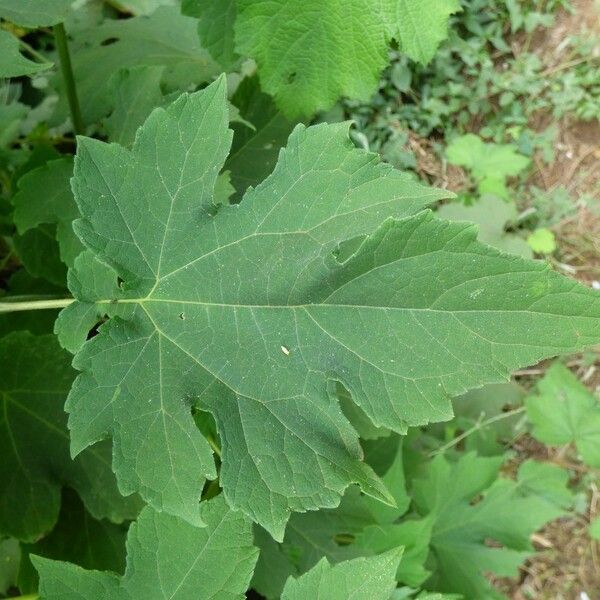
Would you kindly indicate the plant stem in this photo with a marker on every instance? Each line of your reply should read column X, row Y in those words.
column 477, row 427
column 60, row 37
column 25, row 597
column 6, row 307
column 34, row 53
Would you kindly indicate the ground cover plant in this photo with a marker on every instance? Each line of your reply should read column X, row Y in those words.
column 242, row 354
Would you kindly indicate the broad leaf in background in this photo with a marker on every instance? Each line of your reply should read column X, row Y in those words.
column 35, row 13
column 39, row 253
column 370, row 578
column 45, row 196
column 263, row 305
column 492, row 215
column 255, row 149
column 34, row 443
column 12, row 62
column 166, row 558
column 564, row 411
column 10, row 554
column 165, row 38
column 418, row 25
column 311, row 52
column 78, row 538
column 135, row 92
column 475, row 531
column 215, row 28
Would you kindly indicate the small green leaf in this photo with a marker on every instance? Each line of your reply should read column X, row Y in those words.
column 564, row 412
column 485, row 159
column 35, row 13
column 165, row 38
column 542, row 241
column 371, row 578
column 10, row 556
column 166, row 558
column 136, row 91
column 414, row 535
column 418, row 25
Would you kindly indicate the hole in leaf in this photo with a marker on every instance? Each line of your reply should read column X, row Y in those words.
column 292, row 77
column 344, row 539
column 347, row 248
column 109, row 41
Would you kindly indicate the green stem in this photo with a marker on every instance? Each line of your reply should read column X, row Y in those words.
column 477, row 427
column 6, row 307
column 25, row 597
column 62, row 46
column 34, row 53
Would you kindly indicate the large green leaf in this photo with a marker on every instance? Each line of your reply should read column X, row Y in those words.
column 252, row 312
column 369, row 578
column 34, row 443
column 564, row 411
column 311, row 52
column 35, row 13
column 166, row 558
column 12, row 62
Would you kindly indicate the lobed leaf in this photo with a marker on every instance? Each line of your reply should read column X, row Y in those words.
column 564, row 411
column 35, row 13
column 253, row 312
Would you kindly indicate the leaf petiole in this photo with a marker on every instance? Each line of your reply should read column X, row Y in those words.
column 6, row 307
column 66, row 68
column 477, row 427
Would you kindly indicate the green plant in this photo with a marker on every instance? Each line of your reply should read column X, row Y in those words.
column 267, row 321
